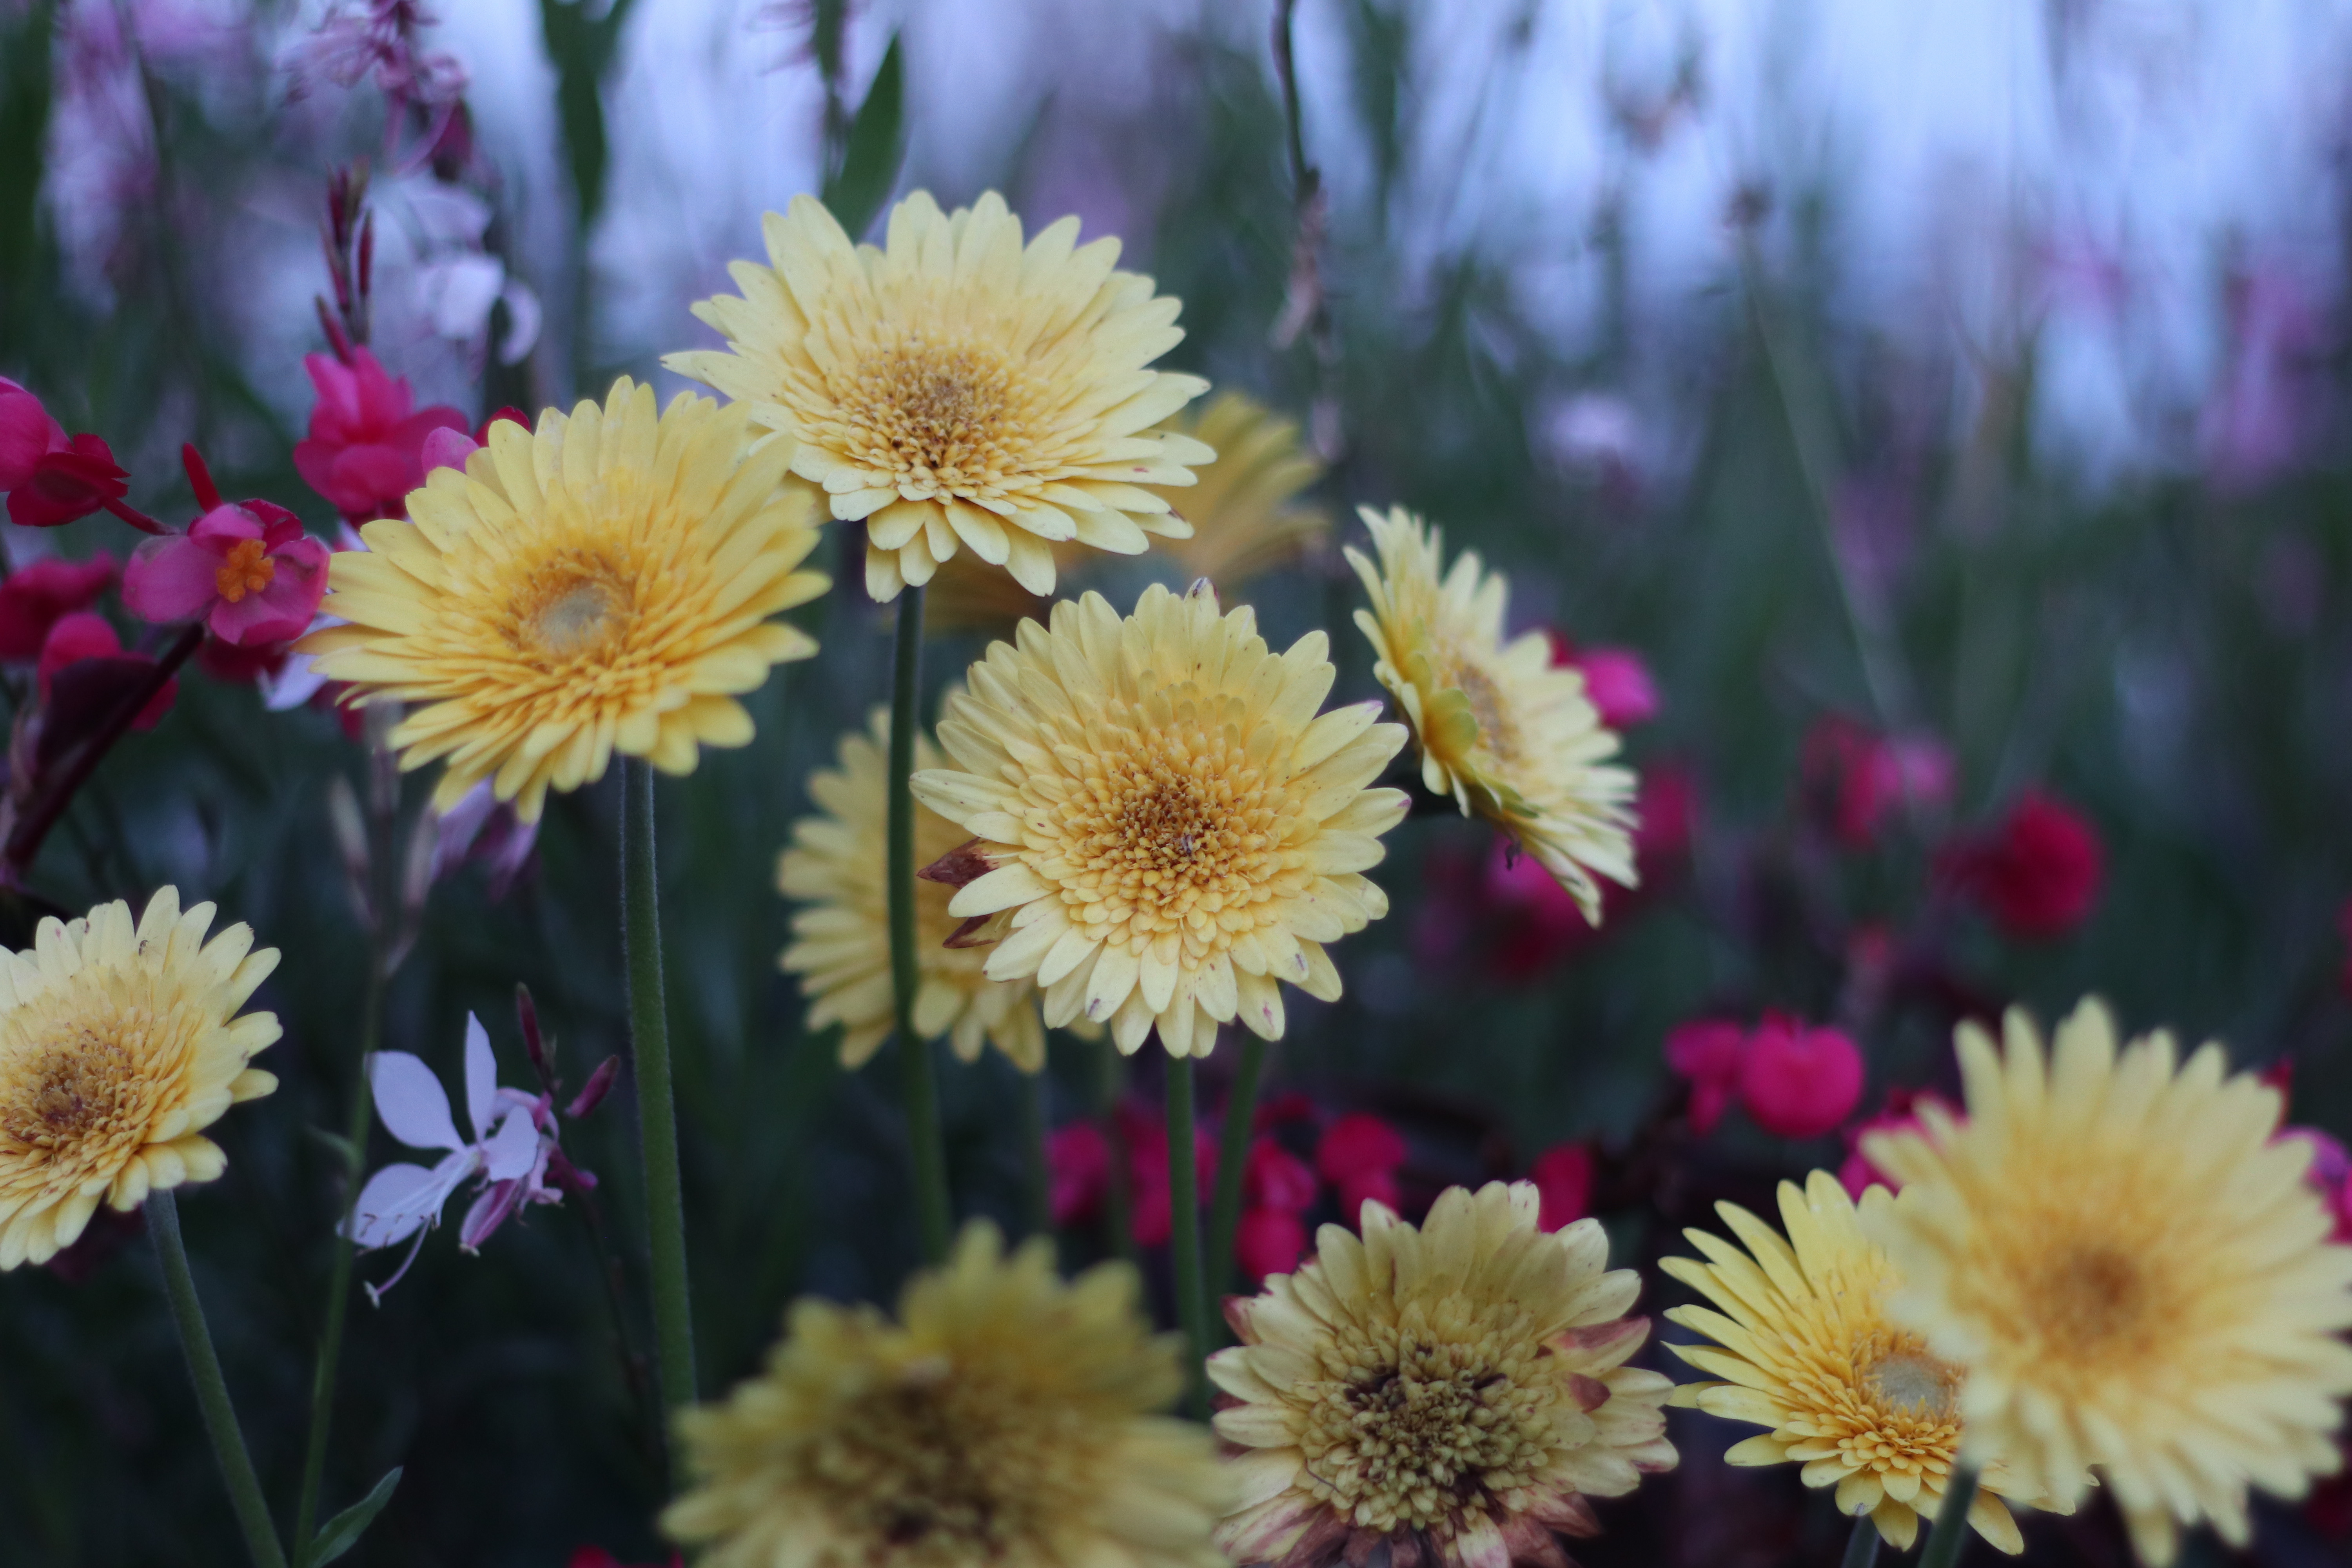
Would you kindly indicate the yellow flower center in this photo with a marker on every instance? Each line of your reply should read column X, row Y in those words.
column 247, row 569
column 1496, row 731
column 77, row 1095
column 574, row 614
column 1419, row 1424
column 1912, row 1381
column 943, row 414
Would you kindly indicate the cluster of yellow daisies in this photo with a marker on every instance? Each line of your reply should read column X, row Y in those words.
column 2109, row 1273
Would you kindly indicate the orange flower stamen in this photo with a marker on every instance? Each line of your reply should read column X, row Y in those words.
column 248, row 570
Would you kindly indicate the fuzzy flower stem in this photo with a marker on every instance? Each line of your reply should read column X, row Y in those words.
column 1037, row 1182
column 927, row 1151
column 1184, row 1235
column 1233, row 1159
column 212, row 1388
column 1862, row 1546
column 1943, row 1548
column 657, row 1105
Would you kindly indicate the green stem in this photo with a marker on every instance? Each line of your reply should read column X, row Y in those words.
column 1037, row 1178
column 927, row 1150
column 1118, row 1198
column 1184, row 1234
column 1952, row 1528
column 212, row 1388
column 1233, row 1160
column 1862, row 1546
column 657, row 1105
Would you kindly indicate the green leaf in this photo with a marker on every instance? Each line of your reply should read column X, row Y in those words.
column 875, row 148
column 582, row 48
column 342, row 1533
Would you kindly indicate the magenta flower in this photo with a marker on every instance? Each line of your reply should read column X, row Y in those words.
column 1708, row 1053
column 246, row 568
column 28, row 434
column 1359, row 1154
column 86, row 635
column 1563, row 1178
column 1797, row 1081
column 366, row 448
column 33, row 600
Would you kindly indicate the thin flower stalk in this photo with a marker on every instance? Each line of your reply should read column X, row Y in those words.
column 657, row 1107
column 1951, row 1526
column 927, row 1150
column 1233, row 1158
column 1862, row 1546
column 1185, row 1237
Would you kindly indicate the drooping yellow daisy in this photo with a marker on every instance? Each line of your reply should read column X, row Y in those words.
column 1007, row 1418
column 1805, row 1339
column 1458, row 1391
column 119, row 1044
column 841, row 941
column 956, row 389
column 1170, row 823
column 2132, row 1273
column 1508, row 736
column 1244, row 515
column 601, row 584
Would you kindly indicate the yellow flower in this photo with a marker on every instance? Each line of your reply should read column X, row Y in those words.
column 118, row 1045
column 957, row 389
column 1810, row 1352
column 1244, row 517
column 1508, row 736
column 841, row 942
column 1458, row 1391
column 601, row 584
column 1171, row 825
column 2132, row 1273
column 1006, row 1419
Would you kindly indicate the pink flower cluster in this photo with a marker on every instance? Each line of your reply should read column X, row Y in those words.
column 1794, row 1080
column 367, row 446
column 1860, row 779
column 1079, row 1159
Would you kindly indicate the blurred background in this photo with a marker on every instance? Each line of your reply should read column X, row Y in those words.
column 1926, row 424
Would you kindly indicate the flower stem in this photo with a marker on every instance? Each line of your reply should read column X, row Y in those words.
column 212, row 1388
column 1036, row 1180
column 1233, row 1158
column 927, row 1150
column 1118, row 1198
column 1184, row 1234
column 657, row 1105
column 1862, row 1546
column 1952, row 1528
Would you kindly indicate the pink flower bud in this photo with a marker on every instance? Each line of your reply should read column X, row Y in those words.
column 1708, row 1053
column 592, row 1093
column 1563, row 1179
column 1799, row 1081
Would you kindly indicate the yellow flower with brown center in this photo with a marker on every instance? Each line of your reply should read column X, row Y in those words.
column 1171, row 825
column 2131, row 1270
column 1505, row 733
column 956, row 389
column 1006, row 1418
column 1457, row 1392
column 1244, row 514
column 841, row 941
column 119, row 1044
column 601, row 584
column 1805, row 1344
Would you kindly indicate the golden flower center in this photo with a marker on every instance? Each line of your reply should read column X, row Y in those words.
column 1419, row 1426
column 569, row 612
column 942, row 416
column 74, row 1096
column 1171, row 830
column 1496, row 731
column 1914, row 1382
column 2094, row 1299
column 247, row 569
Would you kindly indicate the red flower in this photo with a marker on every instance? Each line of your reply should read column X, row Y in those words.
column 1563, row 1179
column 1268, row 1241
column 67, row 483
column 32, row 600
column 1708, row 1053
column 1616, row 680
column 82, row 635
column 2037, row 874
column 247, row 568
column 27, row 435
column 1078, row 1160
column 366, row 451
column 1864, row 777
column 1798, row 1082
column 1900, row 1113
column 1276, row 1179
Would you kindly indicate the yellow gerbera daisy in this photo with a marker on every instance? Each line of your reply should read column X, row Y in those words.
column 1171, row 825
column 2132, row 1272
column 1456, row 1390
column 1804, row 1339
column 1007, row 1418
column 1244, row 512
column 118, row 1045
column 841, row 942
column 601, row 584
column 1508, row 736
column 956, row 388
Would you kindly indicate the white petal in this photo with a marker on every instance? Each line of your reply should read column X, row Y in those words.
column 481, row 1078
column 410, row 1101
column 514, row 1148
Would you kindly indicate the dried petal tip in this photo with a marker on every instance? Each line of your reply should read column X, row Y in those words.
column 964, row 863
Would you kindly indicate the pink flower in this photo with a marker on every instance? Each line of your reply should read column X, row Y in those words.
column 28, row 434
column 246, row 568
column 1615, row 679
column 1563, row 1178
column 1358, row 1154
column 85, row 636
column 1276, row 1179
column 367, row 442
column 1798, row 1082
column 2330, row 1174
column 1900, row 1114
column 2038, row 873
column 1268, row 1241
column 1864, row 777
column 69, row 483
column 1077, row 1160
column 1154, row 1211
column 32, row 601
column 1708, row 1053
